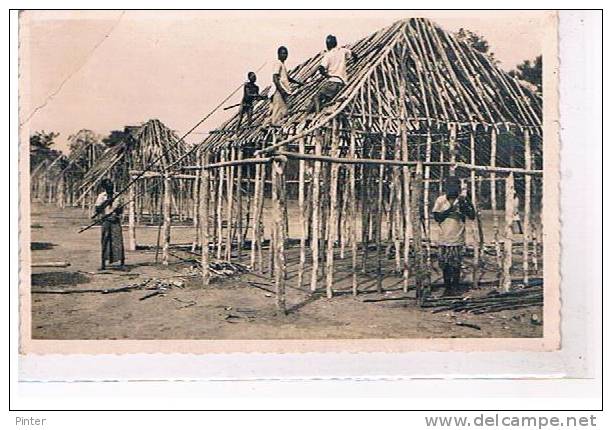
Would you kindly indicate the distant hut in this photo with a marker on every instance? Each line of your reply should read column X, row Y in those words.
column 146, row 152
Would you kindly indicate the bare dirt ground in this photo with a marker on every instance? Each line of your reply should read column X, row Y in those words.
column 228, row 309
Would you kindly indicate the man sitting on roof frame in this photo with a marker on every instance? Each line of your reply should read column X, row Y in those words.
column 333, row 68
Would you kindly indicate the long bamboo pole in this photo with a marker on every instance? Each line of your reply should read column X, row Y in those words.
column 389, row 162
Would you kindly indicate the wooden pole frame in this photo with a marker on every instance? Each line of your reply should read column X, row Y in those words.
column 508, row 235
column 132, row 219
column 167, row 214
column 526, row 208
column 279, row 208
column 204, row 222
column 302, row 214
column 332, row 222
column 314, row 240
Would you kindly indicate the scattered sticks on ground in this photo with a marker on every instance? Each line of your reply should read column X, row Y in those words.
column 157, row 286
column 493, row 302
column 384, row 299
column 470, row 325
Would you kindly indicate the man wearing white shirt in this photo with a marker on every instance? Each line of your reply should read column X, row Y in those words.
column 333, row 68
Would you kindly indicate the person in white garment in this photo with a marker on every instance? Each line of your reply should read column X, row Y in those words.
column 333, row 68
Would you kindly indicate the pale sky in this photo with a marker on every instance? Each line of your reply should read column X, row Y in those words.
column 105, row 70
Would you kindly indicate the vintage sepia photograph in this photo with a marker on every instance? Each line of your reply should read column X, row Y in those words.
column 288, row 181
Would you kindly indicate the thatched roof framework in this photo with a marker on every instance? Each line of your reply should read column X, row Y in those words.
column 441, row 81
column 151, row 146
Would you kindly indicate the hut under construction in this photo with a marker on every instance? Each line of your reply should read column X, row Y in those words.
column 364, row 172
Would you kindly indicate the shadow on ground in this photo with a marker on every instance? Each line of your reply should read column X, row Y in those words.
column 52, row 279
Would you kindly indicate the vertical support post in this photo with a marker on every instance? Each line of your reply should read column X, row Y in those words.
column 396, row 208
column 473, row 163
column 260, row 205
column 474, row 198
column 239, row 225
column 441, row 170
column 343, row 211
column 204, row 220
column 452, row 140
column 527, row 208
column 333, row 211
column 493, row 189
column 221, row 179
column 407, row 205
column 61, row 190
column 196, row 208
column 278, row 202
column 230, row 206
column 426, row 199
column 477, row 246
column 415, row 219
column 379, row 209
column 132, row 218
column 213, row 177
column 352, row 201
column 314, row 240
column 256, row 231
column 365, row 211
column 509, row 207
column 167, row 218
column 273, row 231
column 535, row 251
column 303, row 226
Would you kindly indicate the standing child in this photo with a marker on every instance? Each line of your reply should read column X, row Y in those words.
column 250, row 95
column 450, row 211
